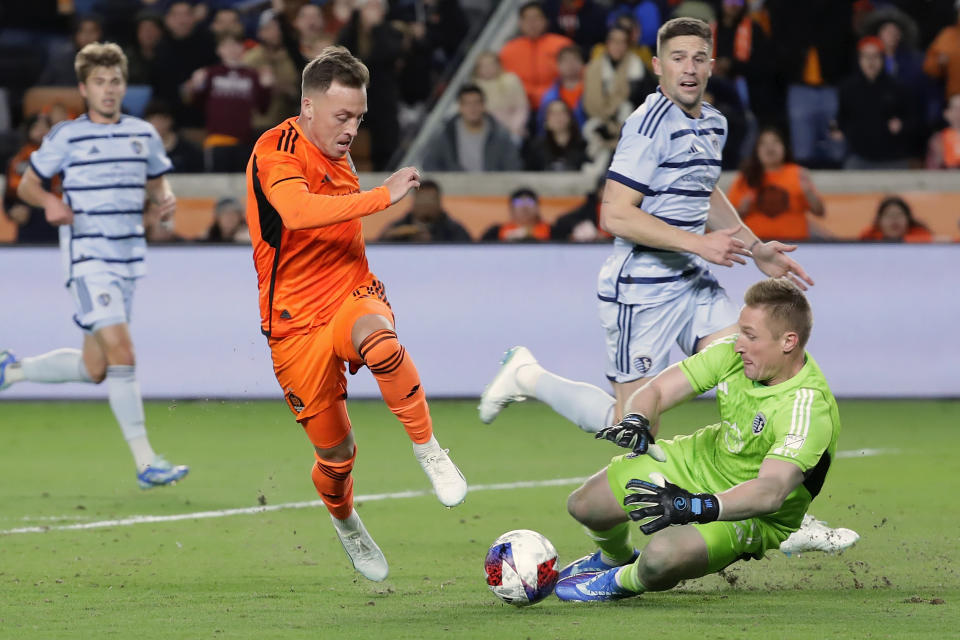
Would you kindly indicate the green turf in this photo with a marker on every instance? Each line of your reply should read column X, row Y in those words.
column 283, row 574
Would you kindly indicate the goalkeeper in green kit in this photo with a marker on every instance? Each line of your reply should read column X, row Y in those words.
column 735, row 489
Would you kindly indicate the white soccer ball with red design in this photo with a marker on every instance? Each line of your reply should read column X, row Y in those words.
column 521, row 567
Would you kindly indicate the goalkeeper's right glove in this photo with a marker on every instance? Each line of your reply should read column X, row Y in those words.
column 633, row 432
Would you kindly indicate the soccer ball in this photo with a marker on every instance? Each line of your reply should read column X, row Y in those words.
column 521, row 567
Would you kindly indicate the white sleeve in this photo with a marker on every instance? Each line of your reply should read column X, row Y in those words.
column 157, row 161
column 51, row 157
column 637, row 157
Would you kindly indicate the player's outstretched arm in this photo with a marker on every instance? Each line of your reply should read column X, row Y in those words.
column 32, row 192
column 621, row 215
column 770, row 257
column 764, row 494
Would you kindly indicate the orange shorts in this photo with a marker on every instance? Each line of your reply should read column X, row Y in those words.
column 310, row 367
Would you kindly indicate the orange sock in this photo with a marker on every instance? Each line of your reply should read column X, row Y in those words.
column 399, row 382
column 335, row 485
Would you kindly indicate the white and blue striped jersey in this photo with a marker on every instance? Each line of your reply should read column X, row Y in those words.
column 105, row 169
column 673, row 159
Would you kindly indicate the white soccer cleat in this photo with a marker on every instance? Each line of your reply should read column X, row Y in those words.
column 504, row 388
column 447, row 480
column 815, row 535
column 161, row 473
column 360, row 547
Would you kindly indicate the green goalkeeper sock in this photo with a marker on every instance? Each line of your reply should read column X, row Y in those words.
column 628, row 577
column 615, row 545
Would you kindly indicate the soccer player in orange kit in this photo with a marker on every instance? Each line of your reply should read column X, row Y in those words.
column 320, row 305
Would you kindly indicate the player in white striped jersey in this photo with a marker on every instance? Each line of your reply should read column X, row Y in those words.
column 669, row 221
column 109, row 162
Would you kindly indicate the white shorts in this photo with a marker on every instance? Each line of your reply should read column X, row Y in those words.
column 639, row 337
column 101, row 300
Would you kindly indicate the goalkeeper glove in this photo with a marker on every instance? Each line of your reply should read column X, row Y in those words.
column 633, row 432
column 669, row 504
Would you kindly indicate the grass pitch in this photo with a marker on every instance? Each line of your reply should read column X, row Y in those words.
column 283, row 574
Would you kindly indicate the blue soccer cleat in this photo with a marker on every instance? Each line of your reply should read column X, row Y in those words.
column 592, row 587
column 6, row 359
column 160, row 473
column 591, row 564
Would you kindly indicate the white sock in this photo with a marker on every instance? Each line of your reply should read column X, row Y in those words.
column 587, row 406
column 423, row 449
column 127, row 405
column 61, row 365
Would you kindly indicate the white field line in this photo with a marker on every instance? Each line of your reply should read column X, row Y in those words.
column 222, row 513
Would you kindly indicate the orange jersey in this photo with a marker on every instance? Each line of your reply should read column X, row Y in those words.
column 779, row 210
column 304, row 211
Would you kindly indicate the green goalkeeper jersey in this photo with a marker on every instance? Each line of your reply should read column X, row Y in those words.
column 796, row 420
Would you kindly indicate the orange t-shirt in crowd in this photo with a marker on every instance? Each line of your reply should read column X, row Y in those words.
column 511, row 231
column 779, row 209
column 914, row 234
column 534, row 60
column 303, row 211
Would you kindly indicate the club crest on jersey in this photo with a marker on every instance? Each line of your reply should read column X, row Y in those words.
column 137, row 147
column 642, row 364
column 295, row 402
column 759, row 422
column 103, row 299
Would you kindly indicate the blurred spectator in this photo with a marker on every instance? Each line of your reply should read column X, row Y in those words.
column 815, row 40
column 722, row 93
column 32, row 226
column 533, row 54
column 229, row 222
column 59, row 68
column 157, row 230
column 568, row 87
column 895, row 223
column 426, row 221
column 560, row 147
column 142, row 54
column 227, row 20
column 380, row 46
column 311, row 35
column 583, row 21
column 874, row 114
column 525, row 224
column 943, row 152
column 646, row 13
column 472, row 140
column 434, row 31
column 583, row 223
column 336, row 14
column 271, row 55
column 755, row 59
column 943, row 58
column 185, row 48
column 628, row 24
column 185, row 156
column 732, row 15
column 614, row 84
column 772, row 193
column 505, row 97
column 229, row 93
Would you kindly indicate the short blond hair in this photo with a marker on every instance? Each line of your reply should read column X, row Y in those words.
column 334, row 63
column 786, row 306
column 99, row 54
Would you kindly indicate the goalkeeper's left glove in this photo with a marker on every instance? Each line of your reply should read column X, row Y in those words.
column 671, row 503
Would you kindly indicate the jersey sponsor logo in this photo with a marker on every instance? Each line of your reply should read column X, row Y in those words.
column 295, row 402
column 759, row 422
column 642, row 364
column 732, row 437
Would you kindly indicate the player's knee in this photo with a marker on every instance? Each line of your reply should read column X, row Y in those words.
column 579, row 507
column 659, row 565
column 381, row 351
column 97, row 374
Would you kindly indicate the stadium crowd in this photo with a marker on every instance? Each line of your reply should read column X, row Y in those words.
column 821, row 84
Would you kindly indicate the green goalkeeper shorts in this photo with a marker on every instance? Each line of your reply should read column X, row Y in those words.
column 726, row 542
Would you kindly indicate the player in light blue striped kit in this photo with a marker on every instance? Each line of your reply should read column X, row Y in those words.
column 669, row 221
column 109, row 162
